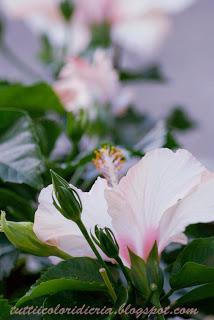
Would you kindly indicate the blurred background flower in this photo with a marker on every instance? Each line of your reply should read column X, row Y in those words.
column 185, row 57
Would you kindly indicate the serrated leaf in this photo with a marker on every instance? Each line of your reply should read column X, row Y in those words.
column 20, row 157
column 77, row 274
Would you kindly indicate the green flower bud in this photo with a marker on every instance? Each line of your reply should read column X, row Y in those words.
column 65, row 198
column 21, row 235
column 105, row 239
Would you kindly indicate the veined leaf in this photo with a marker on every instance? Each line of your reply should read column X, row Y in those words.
column 34, row 98
column 77, row 274
column 20, row 157
column 194, row 265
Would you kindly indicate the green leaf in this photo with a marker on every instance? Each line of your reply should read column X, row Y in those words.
column 4, row 309
column 78, row 301
column 34, row 98
column 78, row 274
column 153, row 73
column 100, row 35
column 48, row 132
column 200, row 293
column 16, row 205
column 194, row 265
column 20, row 157
column 46, row 53
column 138, row 274
column 178, row 119
column 171, row 141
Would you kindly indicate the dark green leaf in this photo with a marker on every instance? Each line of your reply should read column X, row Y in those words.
column 4, row 309
column 78, row 274
column 15, row 205
column 200, row 230
column 171, row 141
column 78, row 301
column 179, row 120
column 48, row 132
column 200, row 293
column 153, row 73
column 20, row 157
column 35, row 98
column 195, row 264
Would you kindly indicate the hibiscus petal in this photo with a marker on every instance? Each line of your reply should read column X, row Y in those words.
column 144, row 35
column 197, row 207
column 151, row 187
column 52, row 227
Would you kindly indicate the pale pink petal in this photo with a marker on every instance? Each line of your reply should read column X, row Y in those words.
column 74, row 94
column 49, row 224
column 95, row 206
column 151, row 187
column 85, row 84
column 51, row 227
column 94, row 12
column 197, row 207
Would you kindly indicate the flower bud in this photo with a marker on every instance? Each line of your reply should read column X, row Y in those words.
column 105, row 239
column 21, row 235
column 65, row 198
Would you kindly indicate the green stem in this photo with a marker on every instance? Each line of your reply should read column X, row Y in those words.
column 158, row 305
column 90, row 242
column 93, row 247
column 108, row 284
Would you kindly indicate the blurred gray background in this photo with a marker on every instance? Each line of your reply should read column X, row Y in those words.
column 187, row 60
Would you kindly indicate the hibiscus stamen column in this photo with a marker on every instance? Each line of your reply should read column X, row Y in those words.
column 108, row 161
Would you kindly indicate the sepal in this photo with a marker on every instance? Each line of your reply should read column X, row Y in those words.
column 21, row 235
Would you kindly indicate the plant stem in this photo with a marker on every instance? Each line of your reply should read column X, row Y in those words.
column 108, row 284
column 93, row 247
column 158, row 305
column 90, row 242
